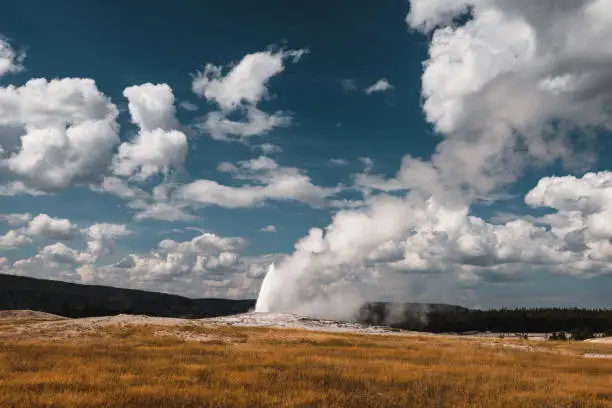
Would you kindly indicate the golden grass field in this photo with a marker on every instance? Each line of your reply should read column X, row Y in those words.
column 260, row 367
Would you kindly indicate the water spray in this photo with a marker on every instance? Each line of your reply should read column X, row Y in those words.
column 266, row 293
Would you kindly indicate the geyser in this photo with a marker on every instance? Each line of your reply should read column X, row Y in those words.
column 296, row 288
column 266, row 293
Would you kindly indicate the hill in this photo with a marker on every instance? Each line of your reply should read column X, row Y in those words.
column 77, row 300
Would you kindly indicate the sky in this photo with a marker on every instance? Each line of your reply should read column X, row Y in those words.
column 451, row 151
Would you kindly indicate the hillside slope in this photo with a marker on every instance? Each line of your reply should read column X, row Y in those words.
column 76, row 300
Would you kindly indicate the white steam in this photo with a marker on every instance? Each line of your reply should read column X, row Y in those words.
column 289, row 289
column 509, row 86
column 265, row 300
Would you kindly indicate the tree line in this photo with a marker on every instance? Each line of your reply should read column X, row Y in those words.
column 583, row 323
column 540, row 320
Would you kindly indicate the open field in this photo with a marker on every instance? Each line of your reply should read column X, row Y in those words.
column 198, row 365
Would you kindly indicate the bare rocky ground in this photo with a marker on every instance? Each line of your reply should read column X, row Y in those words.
column 30, row 325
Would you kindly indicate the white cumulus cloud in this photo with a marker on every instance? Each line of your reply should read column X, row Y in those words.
column 69, row 131
column 152, row 152
column 151, row 106
column 246, row 82
column 51, row 228
column 381, row 85
column 240, row 90
column 13, row 239
column 507, row 85
column 100, row 238
column 158, row 147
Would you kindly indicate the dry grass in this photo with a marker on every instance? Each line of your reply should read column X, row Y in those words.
column 248, row 367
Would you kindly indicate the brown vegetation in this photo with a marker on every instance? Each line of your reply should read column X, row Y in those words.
column 248, row 367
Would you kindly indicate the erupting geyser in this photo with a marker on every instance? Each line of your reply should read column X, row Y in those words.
column 267, row 291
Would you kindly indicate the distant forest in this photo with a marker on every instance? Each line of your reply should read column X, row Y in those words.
column 579, row 323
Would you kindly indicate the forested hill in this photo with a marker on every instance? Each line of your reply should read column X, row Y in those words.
column 75, row 300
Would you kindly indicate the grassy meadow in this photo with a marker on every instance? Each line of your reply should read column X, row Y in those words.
column 248, row 367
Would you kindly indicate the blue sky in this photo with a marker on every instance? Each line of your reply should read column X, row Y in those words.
column 473, row 153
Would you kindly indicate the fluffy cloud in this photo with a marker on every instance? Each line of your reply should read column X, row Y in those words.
column 240, row 90
column 16, row 188
column 51, row 228
column 381, row 85
column 59, row 254
column 158, row 147
column 52, row 261
column 41, row 226
column 583, row 206
column 151, row 106
column 589, row 194
column 152, row 152
column 10, row 60
column 257, row 123
column 508, row 84
column 60, row 132
column 69, row 131
column 13, row 239
column 269, row 182
column 101, row 238
column 247, row 81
